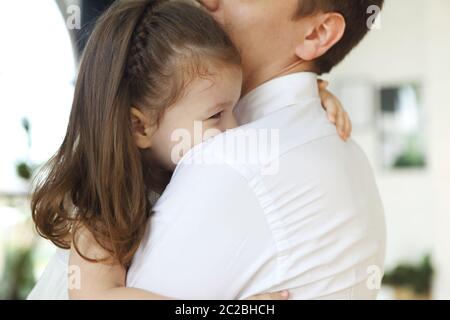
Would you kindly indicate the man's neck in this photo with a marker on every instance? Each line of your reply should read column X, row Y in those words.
column 255, row 79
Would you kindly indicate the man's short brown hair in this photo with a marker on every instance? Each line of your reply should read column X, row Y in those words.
column 356, row 17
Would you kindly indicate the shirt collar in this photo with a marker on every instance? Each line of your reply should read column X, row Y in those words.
column 275, row 95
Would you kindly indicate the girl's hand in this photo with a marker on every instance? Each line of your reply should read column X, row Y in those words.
column 281, row 295
column 335, row 110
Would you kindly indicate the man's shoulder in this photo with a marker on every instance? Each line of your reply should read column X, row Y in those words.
column 330, row 152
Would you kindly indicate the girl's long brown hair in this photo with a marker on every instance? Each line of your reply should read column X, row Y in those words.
column 137, row 56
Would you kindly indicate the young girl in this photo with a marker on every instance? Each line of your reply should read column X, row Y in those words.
column 150, row 67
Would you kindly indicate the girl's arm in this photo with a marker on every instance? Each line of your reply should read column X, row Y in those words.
column 106, row 280
column 102, row 280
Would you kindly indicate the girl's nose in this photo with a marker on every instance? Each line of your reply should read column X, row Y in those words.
column 230, row 123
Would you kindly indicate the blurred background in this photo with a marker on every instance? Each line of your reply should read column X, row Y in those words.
column 395, row 85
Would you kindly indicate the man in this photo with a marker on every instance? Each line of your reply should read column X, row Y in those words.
column 307, row 218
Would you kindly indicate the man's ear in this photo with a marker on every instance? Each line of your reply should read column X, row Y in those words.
column 142, row 129
column 210, row 5
column 327, row 30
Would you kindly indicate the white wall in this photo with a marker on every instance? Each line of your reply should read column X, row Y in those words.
column 438, row 99
column 413, row 45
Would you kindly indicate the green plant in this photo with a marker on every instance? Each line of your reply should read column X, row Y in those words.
column 18, row 278
column 412, row 157
column 418, row 277
column 25, row 169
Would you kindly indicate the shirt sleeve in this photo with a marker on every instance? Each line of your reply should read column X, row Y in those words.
column 208, row 239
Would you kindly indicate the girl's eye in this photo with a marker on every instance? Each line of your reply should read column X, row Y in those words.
column 217, row 115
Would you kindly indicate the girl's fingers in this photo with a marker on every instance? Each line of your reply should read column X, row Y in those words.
column 341, row 124
column 348, row 126
column 280, row 295
column 335, row 111
column 331, row 109
column 323, row 84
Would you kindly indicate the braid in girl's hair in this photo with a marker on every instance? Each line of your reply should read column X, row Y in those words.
column 138, row 56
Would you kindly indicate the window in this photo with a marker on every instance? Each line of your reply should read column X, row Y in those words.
column 401, row 127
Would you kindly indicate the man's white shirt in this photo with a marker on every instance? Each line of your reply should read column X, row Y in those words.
column 303, row 213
